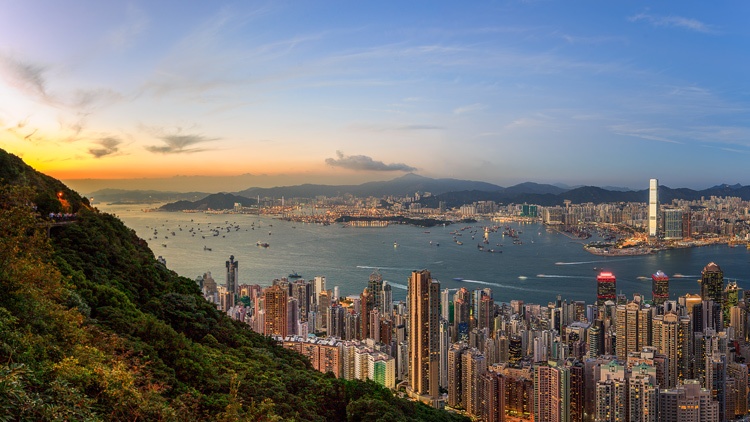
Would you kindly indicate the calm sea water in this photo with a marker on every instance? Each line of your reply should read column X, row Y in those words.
column 545, row 265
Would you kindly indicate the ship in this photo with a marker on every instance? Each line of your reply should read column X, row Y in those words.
column 294, row 275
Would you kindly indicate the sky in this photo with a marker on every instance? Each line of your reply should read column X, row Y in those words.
column 182, row 95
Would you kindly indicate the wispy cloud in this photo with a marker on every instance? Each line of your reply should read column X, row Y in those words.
column 467, row 109
column 180, row 144
column 31, row 79
column 398, row 128
column 673, row 22
column 594, row 40
column 106, row 146
column 649, row 133
column 25, row 76
column 365, row 163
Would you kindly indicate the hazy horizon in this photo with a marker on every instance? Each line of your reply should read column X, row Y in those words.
column 605, row 94
column 216, row 184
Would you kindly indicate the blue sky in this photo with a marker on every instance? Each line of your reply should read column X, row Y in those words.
column 602, row 93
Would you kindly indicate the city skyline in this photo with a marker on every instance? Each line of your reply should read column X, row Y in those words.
column 290, row 93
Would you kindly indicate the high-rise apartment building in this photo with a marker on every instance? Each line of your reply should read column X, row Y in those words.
column 551, row 393
column 493, row 400
column 424, row 339
column 455, row 386
column 275, row 303
column 473, row 366
column 688, row 402
column 653, row 207
column 633, row 328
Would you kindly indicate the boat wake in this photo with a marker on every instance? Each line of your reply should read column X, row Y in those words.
column 398, row 286
column 577, row 263
column 368, row 267
column 556, row 276
column 504, row 286
column 595, row 261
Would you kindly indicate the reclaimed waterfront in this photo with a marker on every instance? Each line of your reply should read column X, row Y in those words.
column 536, row 269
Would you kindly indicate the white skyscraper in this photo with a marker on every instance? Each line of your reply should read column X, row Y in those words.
column 320, row 286
column 653, row 206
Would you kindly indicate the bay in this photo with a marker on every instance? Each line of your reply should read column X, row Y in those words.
column 545, row 265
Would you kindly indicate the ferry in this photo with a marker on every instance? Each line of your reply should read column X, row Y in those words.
column 294, row 275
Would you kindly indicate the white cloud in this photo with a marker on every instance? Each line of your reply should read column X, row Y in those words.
column 471, row 108
column 673, row 22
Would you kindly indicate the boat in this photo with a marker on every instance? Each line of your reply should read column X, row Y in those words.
column 294, row 275
column 458, row 242
column 395, row 244
column 458, row 279
column 206, row 248
column 262, row 244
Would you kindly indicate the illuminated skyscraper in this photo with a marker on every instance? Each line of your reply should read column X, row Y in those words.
column 659, row 288
column 424, row 339
column 653, row 206
column 605, row 288
column 712, row 283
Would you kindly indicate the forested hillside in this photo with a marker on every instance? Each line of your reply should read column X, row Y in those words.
column 93, row 328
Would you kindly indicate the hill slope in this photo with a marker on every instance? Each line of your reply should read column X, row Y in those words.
column 93, row 328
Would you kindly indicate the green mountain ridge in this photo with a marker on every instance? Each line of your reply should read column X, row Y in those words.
column 93, row 328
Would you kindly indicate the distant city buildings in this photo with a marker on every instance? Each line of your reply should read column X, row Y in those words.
column 615, row 360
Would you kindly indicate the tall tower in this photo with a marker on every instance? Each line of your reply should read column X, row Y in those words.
column 275, row 299
column 660, row 287
column 375, row 284
column 473, row 366
column 712, row 283
column 424, row 339
column 386, row 305
column 653, row 206
column 233, row 277
column 605, row 288
column 320, row 287
column 551, row 393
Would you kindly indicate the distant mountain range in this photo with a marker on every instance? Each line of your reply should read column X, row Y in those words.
column 401, row 186
column 124, row 196
column 453, row 192
column 216, row 201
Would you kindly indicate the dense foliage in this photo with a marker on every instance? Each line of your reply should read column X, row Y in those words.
column 93, row 328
